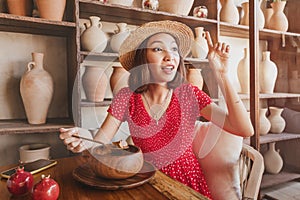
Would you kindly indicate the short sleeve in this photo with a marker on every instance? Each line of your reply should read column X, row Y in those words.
column 120, row 103
column 202, row 98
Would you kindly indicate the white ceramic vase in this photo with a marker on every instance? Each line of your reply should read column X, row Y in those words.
column 229, row 12
column 267, row 74
column 118, row 79
column 272, row 159
column 93, row 38
column 264, row 123
column 36, row 88
column 259, row 16
column 194, row 77
column 278, row 21
column 267, row 11
column 276, row 120
column 94, row 82
column 243, row 72
column 179, row 7
column 199, row 47
column 118, row 38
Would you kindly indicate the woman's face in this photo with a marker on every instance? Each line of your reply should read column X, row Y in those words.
column 162, row 57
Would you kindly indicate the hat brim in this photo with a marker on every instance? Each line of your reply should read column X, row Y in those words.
column 180, row 31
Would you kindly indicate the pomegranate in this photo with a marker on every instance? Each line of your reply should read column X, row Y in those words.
column 20, row 182
column 46, row 189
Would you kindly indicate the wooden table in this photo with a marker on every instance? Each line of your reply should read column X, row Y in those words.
column 159, row 187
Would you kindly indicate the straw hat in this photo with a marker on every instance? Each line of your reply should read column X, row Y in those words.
column 180, row 31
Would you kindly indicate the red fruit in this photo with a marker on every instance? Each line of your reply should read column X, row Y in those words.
column 20, row 182
column 46, row 189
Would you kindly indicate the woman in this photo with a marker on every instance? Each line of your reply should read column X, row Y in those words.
column 161, row 108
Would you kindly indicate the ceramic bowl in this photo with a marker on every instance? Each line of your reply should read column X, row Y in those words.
column 111, row 162
column 32, row 152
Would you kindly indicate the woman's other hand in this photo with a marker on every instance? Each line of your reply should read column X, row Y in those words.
column 218, row 55
column 73, row 144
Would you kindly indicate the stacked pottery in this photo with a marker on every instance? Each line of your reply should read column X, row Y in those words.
column 179, row 7
column 276, row 120
column 118, row 79
column 36, row 89
column 52, row 10
column 199, row 47
column 229, row 12
column 264, row 123
column 278, row 21
column 243, row 72
column 267, row 74
column 260, row 19
column 120, row 35
column 194, row 77
column 94, row 82
column 272, row 160
column 20, row 7
column 93, row 38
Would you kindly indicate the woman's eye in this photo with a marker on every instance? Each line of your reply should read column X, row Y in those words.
column 175, row 49
column 157, row 49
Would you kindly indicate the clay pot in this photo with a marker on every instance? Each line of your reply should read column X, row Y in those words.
column 272, row 160
column 111, row 162
column 200, row 47
column 194, row 77
column 94, row 82
column 229, row 12
column 120, row 35
column 93, row 38
column 276, row 120
column 52, row 10
column 264, row 123
column 267, row 74
column 20, row 7
column 267, row 11
column 259, row 16
column 176, row 6
column 118, row 79
column 36, row 88
column 33, row 152
column 243, row 72
column 278, row 21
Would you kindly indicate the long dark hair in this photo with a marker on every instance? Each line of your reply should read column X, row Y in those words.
column 139, row 77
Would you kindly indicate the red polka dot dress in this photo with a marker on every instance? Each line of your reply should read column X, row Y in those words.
column 166, row 143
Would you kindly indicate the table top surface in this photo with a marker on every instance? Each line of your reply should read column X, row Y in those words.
column 160, row 186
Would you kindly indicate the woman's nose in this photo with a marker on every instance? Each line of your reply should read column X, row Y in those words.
column 169, row 55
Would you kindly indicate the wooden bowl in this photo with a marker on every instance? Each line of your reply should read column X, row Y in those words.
column 111, row 162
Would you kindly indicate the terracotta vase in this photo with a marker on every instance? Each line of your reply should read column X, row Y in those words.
column 36, row 88
column 120, row 35
column 243, row 72
column 200, row 47
column 194, row 77
column 20, row 7
column 229, row 12
column 94, row 82
column 267, row 74
column 52, row 10
column 93, row 38
column 278, row 21
column 276, row 120
column 176, row 6
column 259, row 18
column 264, row 123
column 118, row 79
column 272, row 160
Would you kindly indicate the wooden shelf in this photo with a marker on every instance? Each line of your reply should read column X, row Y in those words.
column 270, row 180
column 272, row 96
column 22, row 126
column 272, row 137
column 23, row 24
column 86, row 103
column 137, row 16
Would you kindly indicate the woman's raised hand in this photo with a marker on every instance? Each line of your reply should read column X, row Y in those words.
column 73, row 144
column 218, row 54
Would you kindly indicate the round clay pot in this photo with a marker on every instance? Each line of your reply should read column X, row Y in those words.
column 20, row 7
column 52, row 10
column 276, row 120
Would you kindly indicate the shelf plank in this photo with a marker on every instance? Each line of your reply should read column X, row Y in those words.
column 32, row 25
column 272, row 137
column 272, row 96
column 270, row 180
column 137, row 16
column 23, row 127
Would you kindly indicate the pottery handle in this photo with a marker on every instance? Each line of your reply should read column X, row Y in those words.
column 30, row 65
column 100, row 25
